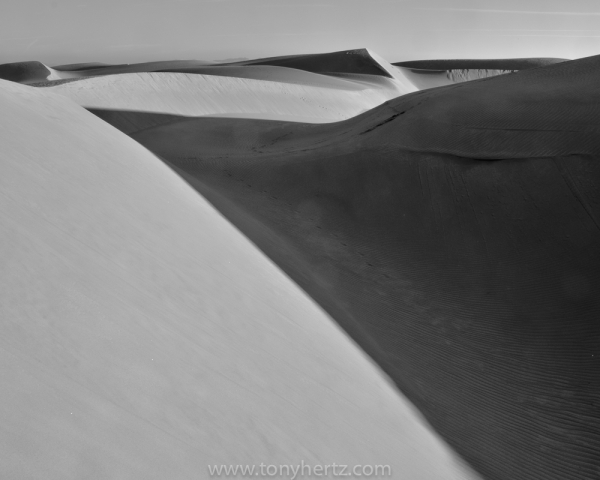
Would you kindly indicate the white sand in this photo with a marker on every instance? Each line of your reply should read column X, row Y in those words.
column 310, row 98
column 143, row 337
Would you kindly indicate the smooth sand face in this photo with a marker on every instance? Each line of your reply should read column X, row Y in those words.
column 203, row 95
column 453, row 233
column 145, row 337
column 306, row 88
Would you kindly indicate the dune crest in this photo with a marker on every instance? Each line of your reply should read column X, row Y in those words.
column 203, row 95
column 316, row 88
column 24, row 72
column 437, row 73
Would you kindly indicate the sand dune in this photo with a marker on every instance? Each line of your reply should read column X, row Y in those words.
column 203, row 95
column 361, row 66
column 96, row 69
column 286, row 75
column 72, row 67
column 24, row 72
column 437, row 73
column 145, row 337
column 471, row 282
column 291, row 91
column 513, row 64
column 361, row 61
column 508, row 126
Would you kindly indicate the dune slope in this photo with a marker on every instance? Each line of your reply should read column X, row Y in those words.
column 437, row 73
column 347, row 61
column 471, row 282
column 145, row 337
column 24, row 72
column 311, row 88
column 514, row 64
column 203, row 95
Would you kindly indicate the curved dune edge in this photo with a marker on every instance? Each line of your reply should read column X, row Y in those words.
column 145, row 337
column 24, row 72
column 514, row 64
column 437, row 73
column 202, row 95
column 470, row 282
column 297, row 89
column 362, row 62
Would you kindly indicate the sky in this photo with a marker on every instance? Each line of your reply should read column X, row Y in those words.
column 128, row 31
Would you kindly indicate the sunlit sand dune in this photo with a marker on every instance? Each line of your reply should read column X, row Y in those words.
column 202, row 95
column 290, row 75
column 453, row 233
column 144, row 337
column 317, row 88
column 36, row 72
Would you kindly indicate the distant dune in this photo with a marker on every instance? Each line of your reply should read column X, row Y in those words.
column 143, row 337
column 284, row 75
column 71, row 67
column 481, row 64
column 24, row 72
column 437, row 73
column 348, row 61
column 282, row 89
column 315, row 100
column 36, row 72
column 453, row 233
column 360, row 66
column 95, row 70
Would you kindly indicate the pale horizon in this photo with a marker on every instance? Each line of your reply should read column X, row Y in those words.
column 72, row 31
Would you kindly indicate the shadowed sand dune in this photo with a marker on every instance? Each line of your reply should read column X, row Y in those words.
column 99, row 69
column 24, row 72
column 73, row 67
column 513, row 64
column 437, row 73
column 453, row 233
column 143, row 337
column 361, row 61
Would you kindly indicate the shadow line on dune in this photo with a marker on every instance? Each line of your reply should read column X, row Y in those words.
column 418, row 312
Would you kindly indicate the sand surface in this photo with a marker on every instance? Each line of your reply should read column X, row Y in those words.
column 146, row 337
column 438, row 73
column 203, row 95
column 305, row 88
column 24, row 72
column 453, row 233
